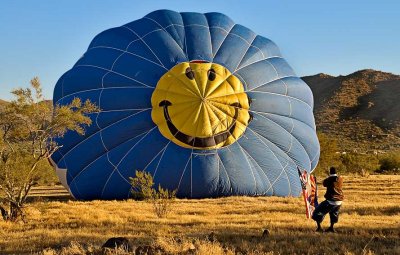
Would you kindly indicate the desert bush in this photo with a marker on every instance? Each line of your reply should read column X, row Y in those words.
column 355, row 163
column 390, row 163
column 162, row 201
column 143, row 189
column 142, row 185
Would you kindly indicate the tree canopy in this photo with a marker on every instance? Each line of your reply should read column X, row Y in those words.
column 29, row 126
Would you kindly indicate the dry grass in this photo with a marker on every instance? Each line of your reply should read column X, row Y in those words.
column 369, row 224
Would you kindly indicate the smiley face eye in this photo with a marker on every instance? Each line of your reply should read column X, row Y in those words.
column 236, row 105
column 189, row 73
column 211, row 74
column 164, row 103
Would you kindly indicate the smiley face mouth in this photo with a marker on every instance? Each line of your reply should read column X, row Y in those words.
column 199, row 142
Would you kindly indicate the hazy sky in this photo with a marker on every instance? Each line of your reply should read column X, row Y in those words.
column 45, row 38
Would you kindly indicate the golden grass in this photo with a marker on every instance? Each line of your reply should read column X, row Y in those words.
column 369, row 224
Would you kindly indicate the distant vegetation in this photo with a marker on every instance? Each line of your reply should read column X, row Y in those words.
column 354, row 162
column 390, row 163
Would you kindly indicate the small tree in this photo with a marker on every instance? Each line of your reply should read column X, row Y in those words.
column 143, row 189
column 28, row 128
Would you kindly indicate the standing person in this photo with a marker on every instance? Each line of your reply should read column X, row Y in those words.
column 334, row 197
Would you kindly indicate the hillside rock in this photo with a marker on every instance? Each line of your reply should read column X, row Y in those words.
column 120, row 243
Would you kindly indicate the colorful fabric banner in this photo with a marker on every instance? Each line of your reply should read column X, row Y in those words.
column 309, row 191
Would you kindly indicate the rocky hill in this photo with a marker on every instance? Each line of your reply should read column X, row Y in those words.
column 361, row 109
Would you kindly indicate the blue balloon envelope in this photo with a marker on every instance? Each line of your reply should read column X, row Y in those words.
column 121, row 70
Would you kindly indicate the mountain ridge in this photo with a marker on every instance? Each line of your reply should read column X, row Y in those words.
column 360, row 108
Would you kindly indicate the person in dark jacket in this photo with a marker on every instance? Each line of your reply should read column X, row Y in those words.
column 334, row 197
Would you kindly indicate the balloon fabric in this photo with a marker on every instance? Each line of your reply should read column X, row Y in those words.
column 205, row 105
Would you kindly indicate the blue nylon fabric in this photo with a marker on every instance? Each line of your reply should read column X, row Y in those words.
column 119, row 72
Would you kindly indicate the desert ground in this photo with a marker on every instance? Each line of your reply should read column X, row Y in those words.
column 369, row 224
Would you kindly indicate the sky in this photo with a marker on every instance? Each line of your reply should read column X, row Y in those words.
column 45, row 38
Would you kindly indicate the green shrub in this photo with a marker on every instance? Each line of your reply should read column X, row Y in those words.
column 356, row 163
column 163, row 201
column 142, row 185
column 143, row 189
column 390, row 163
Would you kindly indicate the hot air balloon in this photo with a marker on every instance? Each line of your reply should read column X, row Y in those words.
column 207, row 106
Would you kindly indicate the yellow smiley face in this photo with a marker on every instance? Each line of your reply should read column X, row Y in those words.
column 200, row 106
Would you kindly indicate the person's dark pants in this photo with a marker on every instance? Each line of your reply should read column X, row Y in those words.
column 324, row 208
